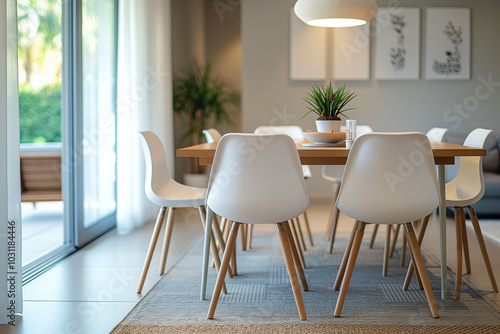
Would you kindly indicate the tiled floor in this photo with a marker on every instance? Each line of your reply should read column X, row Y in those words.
column 93, row 290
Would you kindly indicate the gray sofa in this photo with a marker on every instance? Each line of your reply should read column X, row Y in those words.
column 489, row 205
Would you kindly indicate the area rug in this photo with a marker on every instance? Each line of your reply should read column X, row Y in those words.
column 260, row 298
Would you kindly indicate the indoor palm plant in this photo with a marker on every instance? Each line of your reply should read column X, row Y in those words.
column 328, row 104
column 204, row 99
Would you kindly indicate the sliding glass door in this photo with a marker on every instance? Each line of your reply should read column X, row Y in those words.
column 67, row 58
column 96, row 123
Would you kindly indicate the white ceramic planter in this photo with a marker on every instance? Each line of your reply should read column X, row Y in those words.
column 326, row 125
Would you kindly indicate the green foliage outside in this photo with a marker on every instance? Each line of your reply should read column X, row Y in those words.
column 40, row 113
column 40, row 59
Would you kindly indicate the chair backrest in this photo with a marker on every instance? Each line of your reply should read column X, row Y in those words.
column 212, row 135
column 157, row 174
column 293, row 131
column 470, row 177
column 389, row 178
column 436, row 134
column 257, row 179
column 334, row 173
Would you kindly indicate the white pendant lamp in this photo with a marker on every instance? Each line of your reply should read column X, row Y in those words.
column 335, row 13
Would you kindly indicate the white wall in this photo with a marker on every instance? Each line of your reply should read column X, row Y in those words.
column 268, row 96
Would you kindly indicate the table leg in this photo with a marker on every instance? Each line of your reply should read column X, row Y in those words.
column 206, row 249
column 442, row 226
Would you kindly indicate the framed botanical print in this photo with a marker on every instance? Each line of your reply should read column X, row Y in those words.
column 448, row 44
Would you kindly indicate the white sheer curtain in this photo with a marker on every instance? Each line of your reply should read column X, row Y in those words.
column 10, row 190
column 144, row 101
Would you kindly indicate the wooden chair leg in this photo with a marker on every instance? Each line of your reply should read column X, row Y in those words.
column 458, row 228
column 419, row 264
column 394, row 240
column 166, row 241
column 227, row 229
column 213, row 246
column 374, row 235
column 243, row 237
column 222, row 273
column 333, row 231
column 386, row 250
column 403, row 252
column 299, row 233
column 291, row 271
column 249, row 236
column 409, row 273
column 345, row 259
column 296, row 258
column 332, row 216
column 233, row 262
column 223, row 227
column 151, row 248
column 482, row 246
column 220, row 241
column 465, row 244
column 296, row 241
column 358, row 237
column 308, row 229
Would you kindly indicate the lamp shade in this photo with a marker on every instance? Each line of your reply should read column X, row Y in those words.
column 335, row 13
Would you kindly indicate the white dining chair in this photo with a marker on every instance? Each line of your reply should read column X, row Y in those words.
column 211, row 135
column 462, row 192
column 164, row 191
column 381, row 192
column 435, row 134
column 239, row 190
column 296, row 133
column 333, row 173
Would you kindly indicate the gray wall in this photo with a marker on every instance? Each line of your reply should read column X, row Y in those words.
column 269, row 97
column 203, row 32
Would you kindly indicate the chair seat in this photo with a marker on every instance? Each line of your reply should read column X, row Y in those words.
column 174, row 194
column 461, row 196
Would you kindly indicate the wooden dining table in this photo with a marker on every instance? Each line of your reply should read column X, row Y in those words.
column 444, row 154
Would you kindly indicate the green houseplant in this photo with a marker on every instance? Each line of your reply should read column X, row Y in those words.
column 203, row 98
column 328, row 104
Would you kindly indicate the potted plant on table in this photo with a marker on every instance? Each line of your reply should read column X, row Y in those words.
column 328, row 104
column 203, row 98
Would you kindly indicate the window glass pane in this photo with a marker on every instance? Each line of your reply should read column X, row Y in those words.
column 40, row 78
column 99, row 139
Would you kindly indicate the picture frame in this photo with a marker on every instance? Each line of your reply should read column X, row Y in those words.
column 397, row 55
column 351, row 53
column 448, row 44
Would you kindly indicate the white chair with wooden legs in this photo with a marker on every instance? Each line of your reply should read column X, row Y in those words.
column 333, row 173
column 296, row 133
column 463, row 191
column 239, row 190
column 382, row 192
column 434, row 134
column 164, row 191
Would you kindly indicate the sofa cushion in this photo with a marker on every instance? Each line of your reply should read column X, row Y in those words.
column 492, row 185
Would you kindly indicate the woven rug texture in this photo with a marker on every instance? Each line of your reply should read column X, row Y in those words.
column 260, row 298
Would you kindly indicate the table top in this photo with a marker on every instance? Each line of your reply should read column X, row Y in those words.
column 444, row 153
